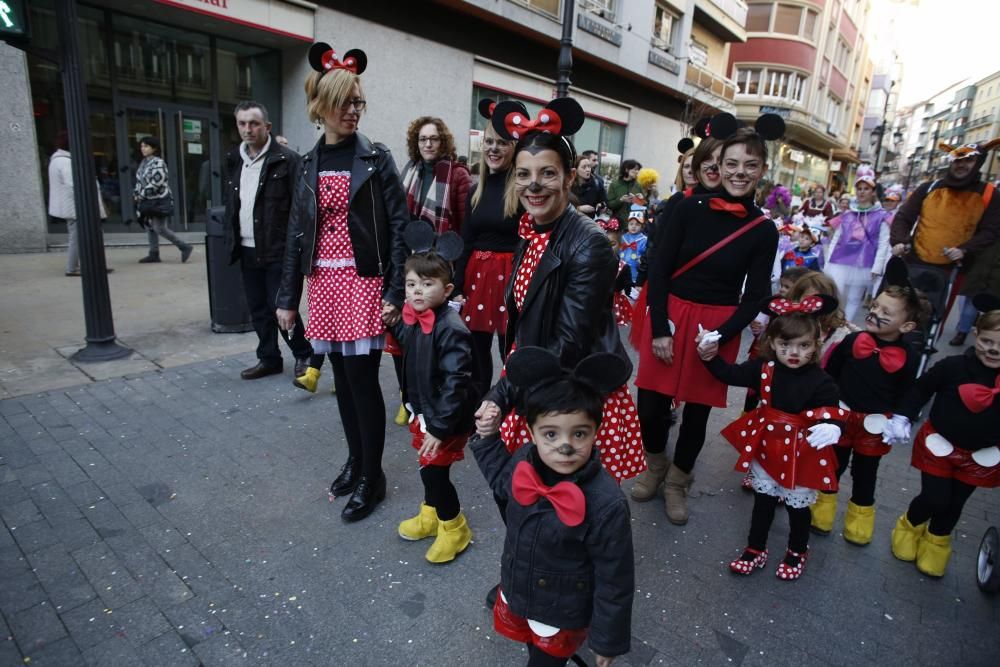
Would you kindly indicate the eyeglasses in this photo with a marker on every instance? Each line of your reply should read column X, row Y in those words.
column 357, row 103
column 428, row 140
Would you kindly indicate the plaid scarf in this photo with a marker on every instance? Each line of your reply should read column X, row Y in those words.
column 436, row 207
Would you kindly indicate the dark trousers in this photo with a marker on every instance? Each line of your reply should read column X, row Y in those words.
column 482, row 359
column 941, row 500
column 763, row 516
column 864, row 472
column 261, row 283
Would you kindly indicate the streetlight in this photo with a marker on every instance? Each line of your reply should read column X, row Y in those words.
column 881, row 128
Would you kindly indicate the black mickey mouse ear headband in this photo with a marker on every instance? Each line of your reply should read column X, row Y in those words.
column 986, row 303
column 700, row 128
column 684, row 145
column 896, row 274
column 420, row 238
column 562, row 116
column 529, row 368
column 724, row 125
column 815, row 305
column 323, row 59
column 487, row 107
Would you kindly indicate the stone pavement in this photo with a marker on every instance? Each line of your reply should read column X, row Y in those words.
column 180, row 517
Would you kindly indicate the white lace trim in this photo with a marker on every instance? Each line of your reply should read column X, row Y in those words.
column 341, row 263
column 333, row 173
column 764, row 483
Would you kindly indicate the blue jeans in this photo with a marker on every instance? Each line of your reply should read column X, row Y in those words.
column 968, row 316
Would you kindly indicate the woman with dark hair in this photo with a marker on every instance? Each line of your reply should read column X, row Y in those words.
column 624, row 191
column 154, row 202
column 591, row 197
column 563, row 285
column 713, row 248
column 436, row 186
column 345, row 234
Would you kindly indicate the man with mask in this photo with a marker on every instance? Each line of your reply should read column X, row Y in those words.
column 947, row 219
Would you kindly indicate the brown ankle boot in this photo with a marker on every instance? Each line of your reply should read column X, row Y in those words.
column 675, row 491
column 647, row 483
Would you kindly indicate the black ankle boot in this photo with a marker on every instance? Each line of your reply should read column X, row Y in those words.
column 347, row 480
column 365, row 498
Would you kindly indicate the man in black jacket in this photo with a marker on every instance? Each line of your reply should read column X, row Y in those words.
column 259, row 180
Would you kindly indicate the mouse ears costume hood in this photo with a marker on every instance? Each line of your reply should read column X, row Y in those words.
column 816, row 305
column 530, row 368
column 487, row 106
column 420, row 238
column 323, row 59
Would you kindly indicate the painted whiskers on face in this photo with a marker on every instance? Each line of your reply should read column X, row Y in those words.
column 987, row 348
column 564, row 441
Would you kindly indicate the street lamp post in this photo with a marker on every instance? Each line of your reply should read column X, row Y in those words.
column 565, row 64
column 882, row 128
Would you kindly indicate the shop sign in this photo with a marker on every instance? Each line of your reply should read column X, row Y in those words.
column 663, row 61
column 797, row 156
column 13, row 19
column 784, row 113
column 587, row 24
column 835, row 165
column 274, row 16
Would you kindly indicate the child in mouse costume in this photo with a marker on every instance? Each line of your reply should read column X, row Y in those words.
column 437, row 386
column 783, row 443
column 567, row 572
column 958, row 448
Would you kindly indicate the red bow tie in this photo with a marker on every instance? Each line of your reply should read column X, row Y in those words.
column 736, row 208
column 808, row 305
column 891, row 358
column 566, row 497
column 978, row 397
column 634, row 245
column 518, row 124
column 426, row 318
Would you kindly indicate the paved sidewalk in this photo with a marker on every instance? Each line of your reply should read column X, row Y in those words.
column 180, row 517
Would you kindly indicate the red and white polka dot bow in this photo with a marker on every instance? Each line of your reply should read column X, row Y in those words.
column 808, row 306
column 331, row 61
column 518, row 124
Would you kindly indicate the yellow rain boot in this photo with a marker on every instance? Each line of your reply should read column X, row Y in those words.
column 308, row 381
column 905, row 537
column 402, row 416
column 425, row 524
column 859, row 524
column 453, row 536
column 933, row 552
column 823, row 511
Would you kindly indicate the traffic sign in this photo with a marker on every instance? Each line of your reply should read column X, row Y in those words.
column 14, row 20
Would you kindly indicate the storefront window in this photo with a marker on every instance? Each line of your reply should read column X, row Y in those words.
column 246, row 72
column 158, row 61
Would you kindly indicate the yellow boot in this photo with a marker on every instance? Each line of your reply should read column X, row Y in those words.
column 905, row 537
column 308, row 381
column 933, row 552
column 402, row 416
column 425, row 524
column 453, row 536
column 823, row 511
column 859, row 524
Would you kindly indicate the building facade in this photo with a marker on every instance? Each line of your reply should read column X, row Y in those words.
column 808, row 62
column 644, row 71
column 984, row 120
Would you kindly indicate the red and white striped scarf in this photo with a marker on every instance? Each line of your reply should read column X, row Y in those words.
column 436, row 207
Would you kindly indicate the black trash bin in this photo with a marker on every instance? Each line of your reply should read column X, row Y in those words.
column 226, row 300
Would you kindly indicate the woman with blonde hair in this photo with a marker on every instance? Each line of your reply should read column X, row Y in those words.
column 345, row 234
column 436, row 185
column 834, row 327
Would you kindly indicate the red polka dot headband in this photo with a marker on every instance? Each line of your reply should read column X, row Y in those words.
column 323, row 59
column 816, row 305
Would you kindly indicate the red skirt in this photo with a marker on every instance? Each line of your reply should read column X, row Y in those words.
column 392, row 345
column 863, row 434
column 486, row 277
column 452, row 450
column 619, row 440
column 563, row 644
column 686, row 379
column 936, row 456
column 623, row 310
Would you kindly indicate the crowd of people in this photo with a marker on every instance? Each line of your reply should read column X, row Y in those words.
column 538, row 264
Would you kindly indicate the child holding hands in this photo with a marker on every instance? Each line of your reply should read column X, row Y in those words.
column 782, row 442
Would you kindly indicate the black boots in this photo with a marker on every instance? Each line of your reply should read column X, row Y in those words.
column 151, row 258
column 368, row 494
column 347, row 480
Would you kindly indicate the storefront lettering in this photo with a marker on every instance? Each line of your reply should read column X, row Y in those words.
column 588, row 24
column 222, row 4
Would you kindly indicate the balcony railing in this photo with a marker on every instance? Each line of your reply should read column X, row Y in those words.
column 719, row 86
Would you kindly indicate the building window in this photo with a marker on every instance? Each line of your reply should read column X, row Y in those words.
column 603, row 8
column 787, row 19
column 550, row 7
column 664, row 25
column 748, row 81
column 842, row 58
column 774, row 84
column 759, row 18
column 698, row 54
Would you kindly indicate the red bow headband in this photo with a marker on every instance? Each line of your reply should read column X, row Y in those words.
column 562, row 116
column 323, row 59
column 819, row 304
column 609, row 224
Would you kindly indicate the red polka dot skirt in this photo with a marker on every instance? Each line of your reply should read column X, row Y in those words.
column 343, row 306
column 486, row 277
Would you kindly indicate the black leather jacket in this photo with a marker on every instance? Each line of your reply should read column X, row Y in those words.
column 568, row 307
column 375, row 222
column 270, row 207
column 437, row 373
column 570, row 578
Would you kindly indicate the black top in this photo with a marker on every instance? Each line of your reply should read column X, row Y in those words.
column 591, row 192
column 792, row 389
column 692, row 227
column 485, row 227
column 959, row 425
column 339, row 156
column 864, row 385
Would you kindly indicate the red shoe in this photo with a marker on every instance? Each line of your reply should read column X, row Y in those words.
column 745, row 567
column 792, row 572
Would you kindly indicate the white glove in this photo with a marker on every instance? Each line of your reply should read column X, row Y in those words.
column 634, row 293
column 708, row 338
column 896, row 431
column 823, row 435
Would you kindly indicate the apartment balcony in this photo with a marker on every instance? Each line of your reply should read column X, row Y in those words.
column 979, row 122
column 801, row 126
column 705, row 80
column 723, row 18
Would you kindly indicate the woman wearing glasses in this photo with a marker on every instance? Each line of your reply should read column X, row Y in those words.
column 345, row 233
column 711, row 269
column 436, row 185
column 490, row 237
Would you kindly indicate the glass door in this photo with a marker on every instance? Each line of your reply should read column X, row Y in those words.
column 195, row 166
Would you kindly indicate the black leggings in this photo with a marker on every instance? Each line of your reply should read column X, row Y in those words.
column 539, row 658
column 654, row 421
column 397, row 365
column 439, row 492
column 864, row 472
column 763, row 516
column 362, row 410
column 941, row 500
column 482, row 359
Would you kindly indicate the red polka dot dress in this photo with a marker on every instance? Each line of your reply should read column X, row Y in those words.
column 618, row 438
column 343, row 306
